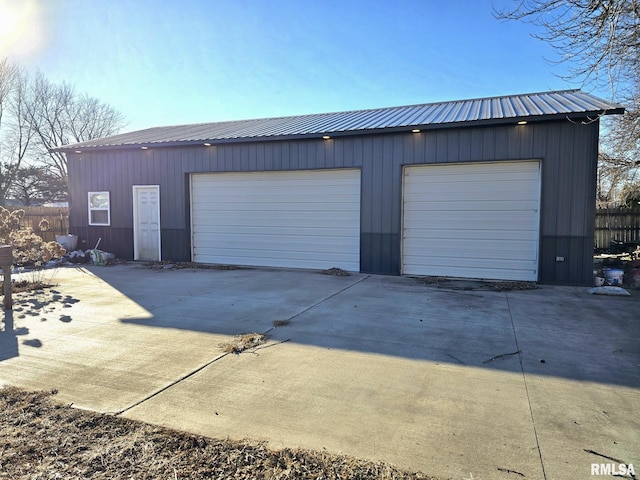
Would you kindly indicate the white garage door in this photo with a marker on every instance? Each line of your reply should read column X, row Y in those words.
column 472, row 220
column 299, row 219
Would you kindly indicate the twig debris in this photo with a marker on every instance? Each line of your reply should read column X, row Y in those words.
column 502, row 356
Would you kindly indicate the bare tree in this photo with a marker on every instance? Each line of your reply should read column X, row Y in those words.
column 616, row 176
column 619, row 159
column 600, row 41
column 59, row 116
column 37, row 115
column 15, row 132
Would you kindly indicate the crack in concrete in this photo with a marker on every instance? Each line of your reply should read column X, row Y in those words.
column 323, row 300
column 167, row 387
column 202, row 367
column 526, row 388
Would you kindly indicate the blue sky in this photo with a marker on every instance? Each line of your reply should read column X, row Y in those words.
column 166, row 62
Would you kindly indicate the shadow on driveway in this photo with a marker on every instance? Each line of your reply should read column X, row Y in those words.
column 556, row 331
column 459, row 384
column 29, row 310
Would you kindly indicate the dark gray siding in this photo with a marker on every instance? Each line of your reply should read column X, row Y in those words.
column 568, row 152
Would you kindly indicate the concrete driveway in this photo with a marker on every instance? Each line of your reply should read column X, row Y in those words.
column 458, row 384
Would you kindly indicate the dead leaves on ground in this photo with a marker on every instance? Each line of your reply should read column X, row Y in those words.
column 43, row 439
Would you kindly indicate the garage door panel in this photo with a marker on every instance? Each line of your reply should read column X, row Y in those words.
column 272, row 190
column 269, row 219
column 303, row 179
column 301, row 219
column 466, row 235
column 273, row 258
column 491, row 250
column 474, row 220
column 231, row 195
column 274, row 242
column 282, row 203
column 450, row 261
column 453, row 192
column 477, row 170
column 272, row 251
column 518, row 220
column 282, row 230
column 441, row 177
column 300, row 208
column 509, row 272
column 464, row 206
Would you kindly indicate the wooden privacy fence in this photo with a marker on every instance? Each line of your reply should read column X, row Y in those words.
column 617, row 224
column 58, row 218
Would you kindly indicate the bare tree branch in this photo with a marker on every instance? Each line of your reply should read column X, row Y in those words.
column 600, row 41
column 15, row 133
column 59, row 116
column 37, row 115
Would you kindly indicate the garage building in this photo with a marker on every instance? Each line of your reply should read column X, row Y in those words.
column 495, row 188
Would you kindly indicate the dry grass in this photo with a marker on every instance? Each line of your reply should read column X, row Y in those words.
column 244, row 342
column 28, row 286
column 336, row 272
column 472, row 284
column 42, row 439
column 513, row 285
column 169, row 265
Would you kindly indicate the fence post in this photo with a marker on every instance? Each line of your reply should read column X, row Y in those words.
column 6, row 260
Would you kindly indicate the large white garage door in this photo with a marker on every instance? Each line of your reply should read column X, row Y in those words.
column 472, row 220
column 299, row 219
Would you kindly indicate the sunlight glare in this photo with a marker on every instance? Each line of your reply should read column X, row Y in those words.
column 18, row 32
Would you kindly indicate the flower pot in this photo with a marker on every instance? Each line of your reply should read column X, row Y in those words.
column 68, row 242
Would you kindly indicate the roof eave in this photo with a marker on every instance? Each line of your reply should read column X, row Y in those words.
column 591, row 116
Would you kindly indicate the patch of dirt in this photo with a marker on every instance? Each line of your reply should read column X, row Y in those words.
column 244, row 342
column 513, row 285
column 168, row 265
column 281, row 323
column 474, row 285
column 116, row 261
column 336, row 272
column 43, row 439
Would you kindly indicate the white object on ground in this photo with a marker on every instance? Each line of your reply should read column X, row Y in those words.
column 609, row 290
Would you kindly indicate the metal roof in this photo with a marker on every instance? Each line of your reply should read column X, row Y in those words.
column 496, row 110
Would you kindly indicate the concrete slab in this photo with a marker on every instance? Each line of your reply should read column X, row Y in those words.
column 446, row 381
column 579, row 422
column 437, row 418
column 428, row 324
column 580, row 337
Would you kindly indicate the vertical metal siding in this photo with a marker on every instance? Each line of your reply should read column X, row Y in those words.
column 465, row 149
column 568, row 152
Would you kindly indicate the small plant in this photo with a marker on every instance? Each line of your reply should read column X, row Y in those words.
column 29, row 249
column 244, row 342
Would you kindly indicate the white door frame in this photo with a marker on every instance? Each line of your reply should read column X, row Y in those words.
column 136, row 189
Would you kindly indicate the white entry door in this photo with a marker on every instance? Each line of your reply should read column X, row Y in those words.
column 146, row 222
